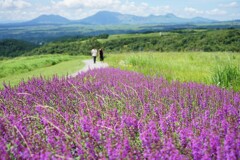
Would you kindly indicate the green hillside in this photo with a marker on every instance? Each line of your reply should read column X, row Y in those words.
column 176, row 41
column 14, row 48
column 176, row 55
column 17, row 69
column 181, row 40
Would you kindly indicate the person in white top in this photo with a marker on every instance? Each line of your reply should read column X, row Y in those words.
column 94, row 54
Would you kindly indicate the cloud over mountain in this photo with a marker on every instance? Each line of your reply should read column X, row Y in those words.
column 78, row 9
column 93, row 4
column 14, row 4
column 205, row 13
column 230, row 5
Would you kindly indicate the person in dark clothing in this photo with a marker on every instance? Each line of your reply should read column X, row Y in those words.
column 101, row 54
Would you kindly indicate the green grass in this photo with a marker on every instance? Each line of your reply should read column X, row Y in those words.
column 12, row 71
column 137, row 35
column 183, row 66
column 227, row 77
column 220, row 68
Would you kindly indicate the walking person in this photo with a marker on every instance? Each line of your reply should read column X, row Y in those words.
column 94, row 54
column 101, row 54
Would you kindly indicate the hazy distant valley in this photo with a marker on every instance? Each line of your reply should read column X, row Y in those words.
column 47, row 28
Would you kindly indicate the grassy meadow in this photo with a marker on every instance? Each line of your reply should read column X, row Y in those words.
column 22, row 68
column 201, row 67
column 140, row 35
column 219, row 68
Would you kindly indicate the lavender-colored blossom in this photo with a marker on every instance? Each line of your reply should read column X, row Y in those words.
column 114, row 114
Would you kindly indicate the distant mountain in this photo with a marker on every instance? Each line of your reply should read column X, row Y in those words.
column 106, row 17
column 201, row 20
column 237, row 20
column 48, row 19
column 103, row 17
column 113, row 18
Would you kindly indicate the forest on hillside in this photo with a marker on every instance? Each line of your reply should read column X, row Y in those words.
column 208, row 41
column 14, row 48
column 179, row 40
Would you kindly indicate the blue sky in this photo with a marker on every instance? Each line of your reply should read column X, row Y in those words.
column 21, row 10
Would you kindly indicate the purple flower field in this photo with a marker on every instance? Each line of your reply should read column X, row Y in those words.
column 115, row 114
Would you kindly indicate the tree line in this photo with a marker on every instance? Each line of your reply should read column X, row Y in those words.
column 209, row 41
column 179, row 40
column 14, row 48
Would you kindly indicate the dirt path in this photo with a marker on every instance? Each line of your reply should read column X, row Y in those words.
column 90, row 65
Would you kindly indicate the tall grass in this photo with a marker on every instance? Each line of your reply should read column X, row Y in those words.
column 181, row 66
column 227, row 76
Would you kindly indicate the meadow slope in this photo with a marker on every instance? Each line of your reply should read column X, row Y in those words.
column 15, row 70
column 218, row 68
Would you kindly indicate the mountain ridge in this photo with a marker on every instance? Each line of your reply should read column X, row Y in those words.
column 115, row 18
column 118, row 18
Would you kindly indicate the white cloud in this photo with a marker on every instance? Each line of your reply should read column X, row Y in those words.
column 15, row 15
column 216, row 12
column 89, row 7
column 14, row 4
column 230, row 5
column 78, row 9
column 206, row 13
column 193, row 10
column 91, row 4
